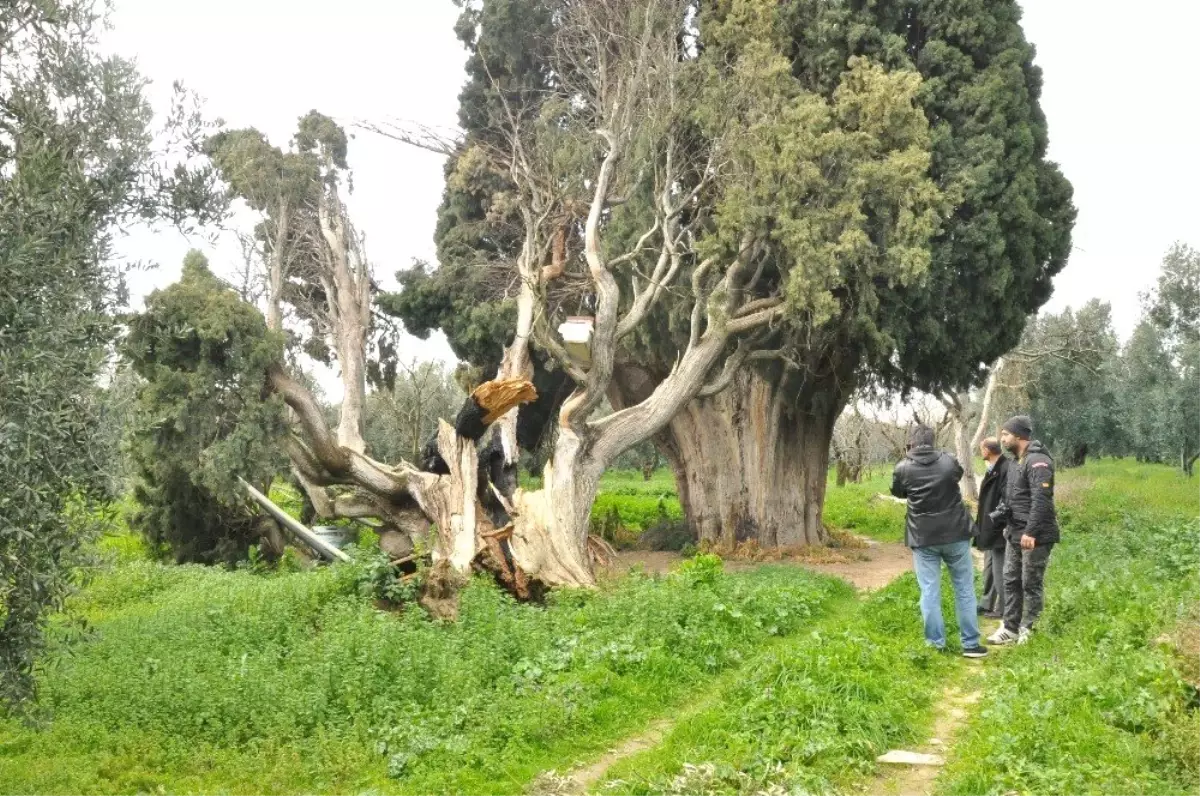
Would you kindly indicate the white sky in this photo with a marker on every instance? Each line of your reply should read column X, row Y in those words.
column 1120, row 95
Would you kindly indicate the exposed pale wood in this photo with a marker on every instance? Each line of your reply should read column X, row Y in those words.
column 295, row 526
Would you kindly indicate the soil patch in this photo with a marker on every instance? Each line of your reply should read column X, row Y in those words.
column 869, row 567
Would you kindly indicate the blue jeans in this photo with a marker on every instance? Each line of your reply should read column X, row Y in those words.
column 927, row 561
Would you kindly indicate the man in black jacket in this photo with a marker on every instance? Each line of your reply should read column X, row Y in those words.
column 991, row 529
column 1032, row 530
column 938, row 528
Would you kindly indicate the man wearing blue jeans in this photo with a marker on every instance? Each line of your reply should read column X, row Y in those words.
column 938, row 528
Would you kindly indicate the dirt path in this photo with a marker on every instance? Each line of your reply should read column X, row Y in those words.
column 584, row 779
column 873, row 567
column 882, row 562
column 917, row 780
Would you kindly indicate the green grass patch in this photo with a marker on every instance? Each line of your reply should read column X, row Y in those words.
column 1096, row 703
column 198, row 679
column 811, row 714
column 855, row 507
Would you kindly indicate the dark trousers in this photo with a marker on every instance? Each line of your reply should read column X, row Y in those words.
column 993, row 580
column 1024, row 584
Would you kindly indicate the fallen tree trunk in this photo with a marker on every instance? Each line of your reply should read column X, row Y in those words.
column 318, row 544
column 471, row 515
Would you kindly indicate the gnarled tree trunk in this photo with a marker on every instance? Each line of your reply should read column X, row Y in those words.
column 749, row 463
column 752, row 466
column 550, row 526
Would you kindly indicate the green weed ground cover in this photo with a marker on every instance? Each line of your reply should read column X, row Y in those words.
column 1096, row 703
column 812, row 714
column 202, row 680
column 856, row 507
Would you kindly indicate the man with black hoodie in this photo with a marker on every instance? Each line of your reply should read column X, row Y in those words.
column 1032, row 529
column 938, row 528
column 991, row 528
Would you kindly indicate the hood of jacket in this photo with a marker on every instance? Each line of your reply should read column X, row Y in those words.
column 923, row 454
column 1036, row 446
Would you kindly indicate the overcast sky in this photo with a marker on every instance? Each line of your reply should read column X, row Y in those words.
column 1120, row 94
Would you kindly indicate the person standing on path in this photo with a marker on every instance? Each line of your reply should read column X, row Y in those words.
column 938, row 528
column 1032, row 530
column 991, row 529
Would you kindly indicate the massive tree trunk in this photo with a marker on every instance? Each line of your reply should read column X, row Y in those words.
column 750, row 463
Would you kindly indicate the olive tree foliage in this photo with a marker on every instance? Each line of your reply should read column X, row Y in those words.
column 1173, row 308
column 1143, row 384
column 76, row 164
column 401, row 419
column 1090, row 395
column 1065, row 370
column 118, row 412
column 1069, row 381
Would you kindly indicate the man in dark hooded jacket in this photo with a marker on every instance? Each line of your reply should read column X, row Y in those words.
column 1032, row 530
column 991, row 539
column 938, row 528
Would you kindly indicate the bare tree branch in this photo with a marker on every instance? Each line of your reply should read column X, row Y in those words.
column 416, row 134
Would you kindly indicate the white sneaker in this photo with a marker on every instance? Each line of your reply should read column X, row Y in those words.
column 1025, row 634
column 1003, row 636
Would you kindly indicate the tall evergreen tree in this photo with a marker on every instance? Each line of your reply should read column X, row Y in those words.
column 751, row 461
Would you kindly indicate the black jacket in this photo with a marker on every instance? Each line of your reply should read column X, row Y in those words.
column 928, row 479
column 991, row 492
column 1031, row 497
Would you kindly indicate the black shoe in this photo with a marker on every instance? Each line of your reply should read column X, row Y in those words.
column 980, row 611
column 992, row 615
column 975, row 652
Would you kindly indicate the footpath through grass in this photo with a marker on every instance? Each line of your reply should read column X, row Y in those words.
column 812, row 714
column 1099, row 701
column 202, row 680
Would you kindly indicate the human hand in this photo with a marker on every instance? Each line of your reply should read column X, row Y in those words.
column 1027, row 542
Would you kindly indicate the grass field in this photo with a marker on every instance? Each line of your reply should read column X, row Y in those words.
column 771, row 680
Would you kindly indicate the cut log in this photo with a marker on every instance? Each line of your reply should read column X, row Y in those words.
column 318, row 544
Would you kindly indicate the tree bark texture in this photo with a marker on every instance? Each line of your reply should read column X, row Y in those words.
column 551, row 525
column 751, row 462
column 963, row 449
